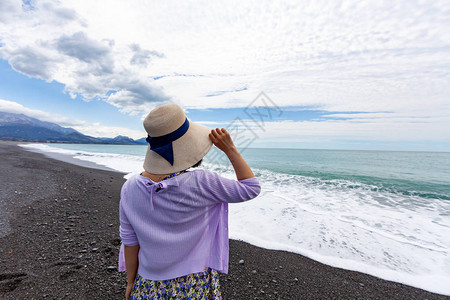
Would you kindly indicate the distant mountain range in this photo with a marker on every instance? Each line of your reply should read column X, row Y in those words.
column 19, row 127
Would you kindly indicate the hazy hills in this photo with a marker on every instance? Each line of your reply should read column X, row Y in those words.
column 19, row 127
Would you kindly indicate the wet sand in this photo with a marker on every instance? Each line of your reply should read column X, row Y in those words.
column 59, row 239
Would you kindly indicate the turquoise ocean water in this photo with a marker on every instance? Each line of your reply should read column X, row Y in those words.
column 384, row 213
column 426, row 174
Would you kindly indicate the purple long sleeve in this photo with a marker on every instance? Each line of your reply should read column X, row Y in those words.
column 181, row 223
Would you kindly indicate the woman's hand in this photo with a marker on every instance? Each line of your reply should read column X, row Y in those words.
column 132, row 264
column 128, row 292
column 222, row 140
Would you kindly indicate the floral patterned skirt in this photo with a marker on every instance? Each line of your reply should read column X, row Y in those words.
column 201, row 285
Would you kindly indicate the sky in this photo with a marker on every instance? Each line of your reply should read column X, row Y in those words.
column 369, row 75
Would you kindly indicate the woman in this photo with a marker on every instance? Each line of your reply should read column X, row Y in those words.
column 174, row 222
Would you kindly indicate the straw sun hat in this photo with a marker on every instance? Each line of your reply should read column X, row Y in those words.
column 175, row 143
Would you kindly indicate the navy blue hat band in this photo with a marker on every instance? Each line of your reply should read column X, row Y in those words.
column 163, row 144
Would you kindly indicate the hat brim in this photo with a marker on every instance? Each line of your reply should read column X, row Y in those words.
column 187, row 151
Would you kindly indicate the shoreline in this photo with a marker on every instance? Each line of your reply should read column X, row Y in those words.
column 63, row 241
column 68, row 158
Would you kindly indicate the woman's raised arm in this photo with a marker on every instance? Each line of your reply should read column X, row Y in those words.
column 222, row 140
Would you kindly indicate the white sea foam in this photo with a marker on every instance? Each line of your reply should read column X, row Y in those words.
column 124, row 163
column 340, row 223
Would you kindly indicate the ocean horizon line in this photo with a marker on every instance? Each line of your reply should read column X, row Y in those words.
column 268, row 148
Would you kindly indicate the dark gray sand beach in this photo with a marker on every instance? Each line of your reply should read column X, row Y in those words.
column 59, row 240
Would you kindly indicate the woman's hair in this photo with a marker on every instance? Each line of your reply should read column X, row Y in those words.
column 197, row 164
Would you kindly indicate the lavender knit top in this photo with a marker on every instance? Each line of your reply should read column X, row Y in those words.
column 180, row 223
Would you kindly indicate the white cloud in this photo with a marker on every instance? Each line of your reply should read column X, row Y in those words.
column 368, row 56
column 141, row 57
column 384, row 129
column 327, row 134
column 14, row 107
column 210, row 123
column 93, row 129
column 8, row 9
column 53, row 42
column 109, row 131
